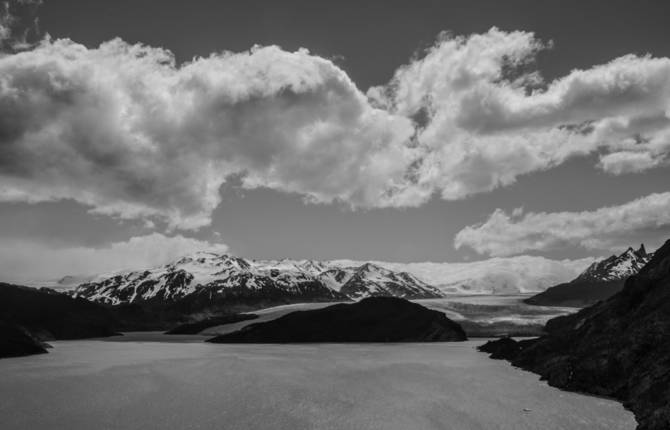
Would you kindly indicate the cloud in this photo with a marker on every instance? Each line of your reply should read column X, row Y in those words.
column 622, row 162
column 123, row 129
column 22, row 259
column 605, row 228
column 18, row 26
column 487, row 117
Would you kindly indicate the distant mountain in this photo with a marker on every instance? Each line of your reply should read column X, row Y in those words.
column 617, row 348
column 210, row 281
column 521, row 274
column 599, row 281
column 374, row 319
column 370, row 280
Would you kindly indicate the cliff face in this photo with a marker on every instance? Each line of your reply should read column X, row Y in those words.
column 618, row 348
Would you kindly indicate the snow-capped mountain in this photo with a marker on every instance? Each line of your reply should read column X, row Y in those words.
column 521, row 274
column 600, row 281
column 206, row 276
column 617, row 267
column 372, row 280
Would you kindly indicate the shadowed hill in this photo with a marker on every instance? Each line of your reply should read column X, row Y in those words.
column 376, row 319
column 16, row 342
column 50, row 315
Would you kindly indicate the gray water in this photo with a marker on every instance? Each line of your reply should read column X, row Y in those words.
column 93, row 384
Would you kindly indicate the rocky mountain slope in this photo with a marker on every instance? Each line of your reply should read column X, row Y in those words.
column 207, row 279
column 374, row 319
column 619, row 347
column 599, row 281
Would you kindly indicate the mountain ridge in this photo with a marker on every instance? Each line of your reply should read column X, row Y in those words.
column 599, row 281
column 203, row 276
column 619, row 347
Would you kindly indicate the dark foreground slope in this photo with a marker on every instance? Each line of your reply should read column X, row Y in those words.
column 576, row 293
column 15, row 341
column 375, row 319
column 51, row 315
column 618, row 348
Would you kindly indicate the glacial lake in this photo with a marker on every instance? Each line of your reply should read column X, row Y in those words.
column 153, row 381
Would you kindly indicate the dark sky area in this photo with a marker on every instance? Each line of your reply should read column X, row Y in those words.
column 370, row 38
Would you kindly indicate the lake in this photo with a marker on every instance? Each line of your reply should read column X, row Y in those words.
column 161, row 382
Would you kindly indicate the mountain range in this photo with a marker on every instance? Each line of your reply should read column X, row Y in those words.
column 599, row 281
column 206, row 280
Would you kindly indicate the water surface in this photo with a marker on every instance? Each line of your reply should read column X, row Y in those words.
column 84, row 385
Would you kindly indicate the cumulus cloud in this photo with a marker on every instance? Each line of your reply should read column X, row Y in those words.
column 487, row 118
column 22, row 261
column 606, row 228
column 125, row 130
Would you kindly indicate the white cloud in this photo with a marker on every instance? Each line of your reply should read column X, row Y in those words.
column 22, row 261
column 606, row 228
column 622, row 162
column 123, row 129
column 486, row 121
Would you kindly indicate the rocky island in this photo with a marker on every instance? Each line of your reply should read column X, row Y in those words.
column 375, row 319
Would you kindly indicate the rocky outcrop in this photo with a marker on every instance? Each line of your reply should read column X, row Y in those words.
column 618, row 348
column 376, row 319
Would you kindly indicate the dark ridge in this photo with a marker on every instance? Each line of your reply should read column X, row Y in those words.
column 598, row 282
column 16, row 341
column 198, row 326
column 47, row 314
column 576, row 294
column 617, row 348
column 375, row 319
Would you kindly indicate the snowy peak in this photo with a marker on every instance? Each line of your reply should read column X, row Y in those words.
column 372, row 280
column 222, row 276
column 616, row 267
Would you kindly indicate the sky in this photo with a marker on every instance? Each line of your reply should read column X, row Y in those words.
column 394, row 131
